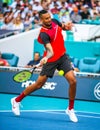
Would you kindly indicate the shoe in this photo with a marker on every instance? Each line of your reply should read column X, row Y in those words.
column 71, row 115
column 15, row 106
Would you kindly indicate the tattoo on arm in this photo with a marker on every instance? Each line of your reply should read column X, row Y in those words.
column 49, row 50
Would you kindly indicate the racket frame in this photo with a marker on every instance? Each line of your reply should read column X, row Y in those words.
column 31, row 70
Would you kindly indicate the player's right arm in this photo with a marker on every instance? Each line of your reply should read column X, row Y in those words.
column 50, row 53
column 46, row 41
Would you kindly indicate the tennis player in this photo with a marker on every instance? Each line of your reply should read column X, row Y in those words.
column 54, row 58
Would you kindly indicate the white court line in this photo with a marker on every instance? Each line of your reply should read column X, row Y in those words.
column 88, row 116
column 89, row 112
column 59, row 112
column 55, row 110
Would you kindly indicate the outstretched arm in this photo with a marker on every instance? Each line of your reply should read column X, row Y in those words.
column 67, row 26
column 50, row 53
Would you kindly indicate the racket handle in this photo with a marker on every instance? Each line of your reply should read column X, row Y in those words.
column 37, row 65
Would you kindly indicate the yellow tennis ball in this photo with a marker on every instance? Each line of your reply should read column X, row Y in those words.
column 61, row 73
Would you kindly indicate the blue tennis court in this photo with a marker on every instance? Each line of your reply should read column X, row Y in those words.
column 39, row 113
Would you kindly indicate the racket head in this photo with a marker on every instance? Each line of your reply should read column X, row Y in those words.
column 22, row 76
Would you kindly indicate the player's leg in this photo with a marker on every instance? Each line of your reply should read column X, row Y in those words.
column 72, row 93
column 65, row 65
column 72, row 87
column 37, row 85
column 47, row 71
column 31, row 88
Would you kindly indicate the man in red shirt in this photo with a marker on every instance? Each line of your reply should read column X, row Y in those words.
column 54, row 58
column 3, row 62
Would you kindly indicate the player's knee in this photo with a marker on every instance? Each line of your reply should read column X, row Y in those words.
column 73, row 82
column 39, row 85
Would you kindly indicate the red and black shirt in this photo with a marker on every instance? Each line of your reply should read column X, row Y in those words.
column 54, row 36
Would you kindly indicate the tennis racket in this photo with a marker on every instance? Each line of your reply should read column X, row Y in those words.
column 24, row 75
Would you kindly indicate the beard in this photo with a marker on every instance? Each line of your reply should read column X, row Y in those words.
column 48, row 25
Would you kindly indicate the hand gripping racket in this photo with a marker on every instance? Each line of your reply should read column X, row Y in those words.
column 24, row 75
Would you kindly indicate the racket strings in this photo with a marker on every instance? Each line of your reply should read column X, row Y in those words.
column 22, row 76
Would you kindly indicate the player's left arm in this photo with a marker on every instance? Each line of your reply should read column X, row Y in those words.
column 67, row 26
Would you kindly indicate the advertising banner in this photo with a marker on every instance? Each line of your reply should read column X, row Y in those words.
column 88, row 85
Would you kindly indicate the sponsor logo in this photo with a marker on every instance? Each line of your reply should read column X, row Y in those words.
column 27, row 83
column 47, row 85
column 97, row 91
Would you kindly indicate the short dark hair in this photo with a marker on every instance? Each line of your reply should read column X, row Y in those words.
column 42, row 12
column 37, row 52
